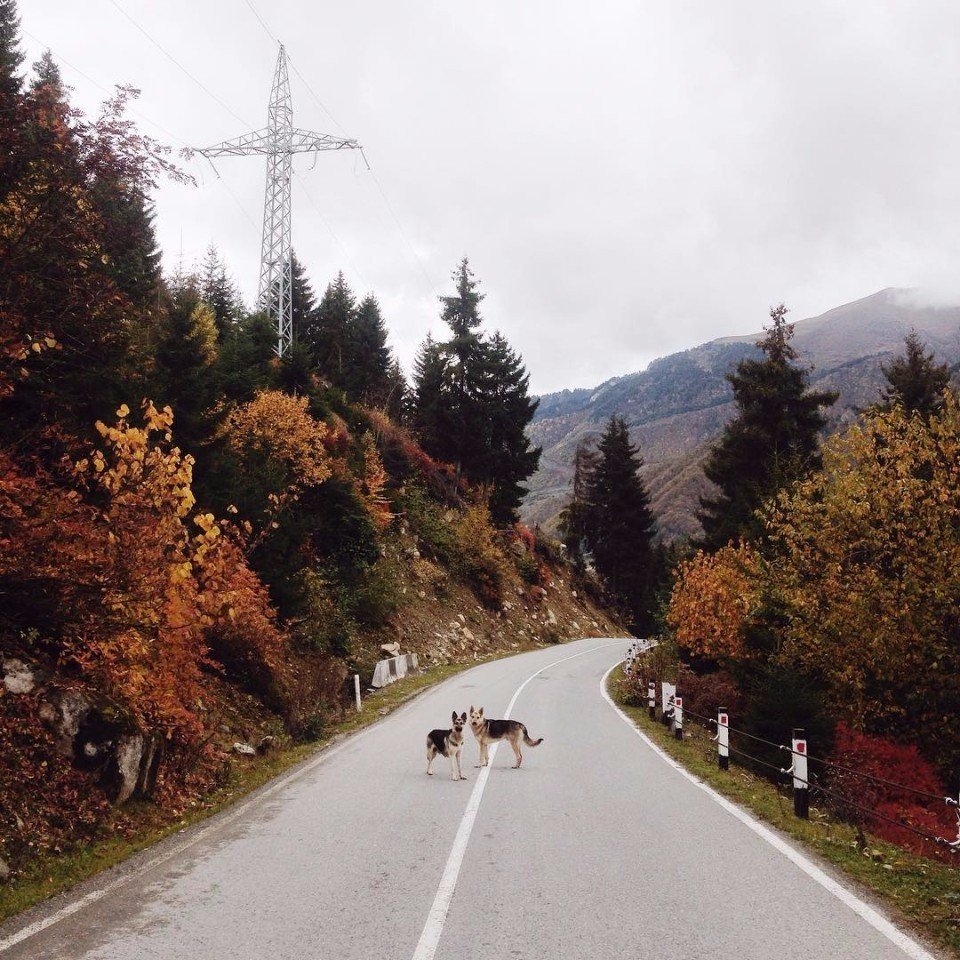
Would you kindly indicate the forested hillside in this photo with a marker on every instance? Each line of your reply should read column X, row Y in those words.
column 200, row 542
column 678, row 405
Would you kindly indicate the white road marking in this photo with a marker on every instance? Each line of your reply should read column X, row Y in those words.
column 433, row 928
column 876, row 920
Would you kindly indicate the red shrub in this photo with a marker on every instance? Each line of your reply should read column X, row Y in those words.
column 899, row 764
column 705, row 693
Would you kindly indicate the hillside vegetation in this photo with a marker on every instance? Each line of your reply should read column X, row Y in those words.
column 200, row 542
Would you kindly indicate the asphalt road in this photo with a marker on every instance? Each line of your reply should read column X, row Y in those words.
column 595, row 848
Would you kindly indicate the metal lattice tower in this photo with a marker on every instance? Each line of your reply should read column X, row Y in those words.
column 278, row 141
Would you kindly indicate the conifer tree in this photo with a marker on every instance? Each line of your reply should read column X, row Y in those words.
column 303, row 302
column 506, row 457
column 247, row 360
column 618, row 523
column 328, row 332
column 368, row 368
column 915, row 380
column 185, row 356
column 46, row 72
column 573, row 517
column 772, row 440
column 430, row 402
column 10, row 56
column 220, row 293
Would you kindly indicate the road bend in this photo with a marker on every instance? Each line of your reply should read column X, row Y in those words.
column 596, row 848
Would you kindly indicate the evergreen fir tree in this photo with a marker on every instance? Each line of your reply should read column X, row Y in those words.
column 46, row 72
column 368, row 367
column 10, row 56
column 220, row 293
column 247, row 360
column 507, row 457
column 303, row 302
column 915, row 380
column 397, row 397
column 328, row 332
column 573, row 517
column 184, row 361
column 430, row 403
column 618, row 523
column 772, row 441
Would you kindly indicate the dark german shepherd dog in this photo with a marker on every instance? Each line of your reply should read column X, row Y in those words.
column 448, row 743
column 490, row 731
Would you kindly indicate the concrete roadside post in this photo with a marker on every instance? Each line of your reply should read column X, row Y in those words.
column 356, row 691
column 652, row 700
column 801, row 786
column 723, row 738
column 678, row 717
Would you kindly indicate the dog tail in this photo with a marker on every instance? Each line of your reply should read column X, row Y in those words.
column 528, row 741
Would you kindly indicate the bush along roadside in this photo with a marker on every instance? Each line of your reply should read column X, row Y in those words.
column 923, row 893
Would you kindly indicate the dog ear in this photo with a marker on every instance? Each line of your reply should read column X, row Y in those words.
column 480, row 711
column 471, row 708
column 454, row 716
column 464, row 719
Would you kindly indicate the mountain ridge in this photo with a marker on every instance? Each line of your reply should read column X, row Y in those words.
column 679, row 403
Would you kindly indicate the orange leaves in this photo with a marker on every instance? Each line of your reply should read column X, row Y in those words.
column 372, row 484
column 136, row 581
column 712, row 599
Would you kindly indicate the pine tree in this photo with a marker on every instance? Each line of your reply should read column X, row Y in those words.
column 915, row 380
column 618, row 523
column 430, row 414
column 397, row 398
column 507, row 457
column 369, row 361
column 220, row 293
column 46, row 72
column 185, row 356
column 247, row 360
column 303, row 302
column 328, row 332
column 772, row 441
column 10, row 56
column 573, row 517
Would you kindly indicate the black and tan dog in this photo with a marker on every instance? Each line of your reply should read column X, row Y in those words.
column 448, row 743
column 490, row 731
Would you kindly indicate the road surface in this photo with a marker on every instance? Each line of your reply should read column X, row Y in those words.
column 595, row 848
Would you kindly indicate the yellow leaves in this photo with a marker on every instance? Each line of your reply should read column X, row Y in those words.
column 123, row 411
column 279, row 427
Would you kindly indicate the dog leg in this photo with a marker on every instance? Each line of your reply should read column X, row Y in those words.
column 453, row 766
column 430, row 755
column 517, row 754
column 459, row 768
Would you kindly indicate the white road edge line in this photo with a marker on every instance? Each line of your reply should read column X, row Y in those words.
column 217, row 822
column 433, row 928
column 876, row 920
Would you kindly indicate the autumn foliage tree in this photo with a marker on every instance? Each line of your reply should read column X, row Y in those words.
column 867, row 562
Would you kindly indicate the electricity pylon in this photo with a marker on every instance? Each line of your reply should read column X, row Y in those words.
column 278, row 141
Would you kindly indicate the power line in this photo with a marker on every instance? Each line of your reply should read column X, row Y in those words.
column 263, row 23
column 104, row 88
column 179, row 65
column 330, row 229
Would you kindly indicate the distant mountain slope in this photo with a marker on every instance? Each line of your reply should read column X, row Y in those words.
column 678, row 405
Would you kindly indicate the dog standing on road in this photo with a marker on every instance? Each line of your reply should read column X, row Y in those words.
column 490, row 731
column 448, row 743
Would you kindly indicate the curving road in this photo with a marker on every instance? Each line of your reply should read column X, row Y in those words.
column 596, row 848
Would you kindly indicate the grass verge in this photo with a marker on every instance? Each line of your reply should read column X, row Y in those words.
column 145, row 823
column 923, row 894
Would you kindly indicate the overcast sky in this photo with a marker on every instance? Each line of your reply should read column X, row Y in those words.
column 628, row 177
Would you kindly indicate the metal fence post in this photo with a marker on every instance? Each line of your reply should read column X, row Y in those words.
column 678, row 717
column 356, row 691
column 723, row 738
column 652, row 699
